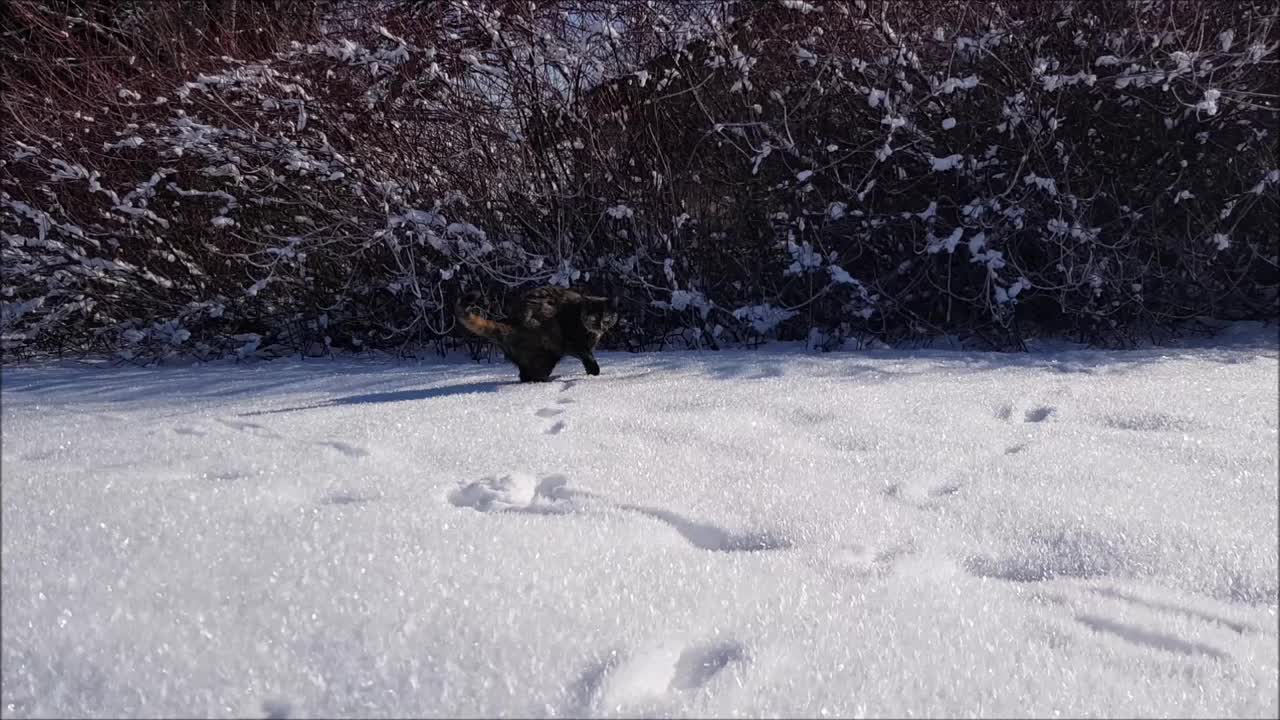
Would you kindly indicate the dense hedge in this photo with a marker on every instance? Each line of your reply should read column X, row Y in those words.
column 269, row 178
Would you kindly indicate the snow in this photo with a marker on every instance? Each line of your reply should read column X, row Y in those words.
column 804, row 7
column 1209, row 103
column 1225, row 38
column 950, row 85
column 761, row 533
column 936, row 244
column 840, row 276
column 944, row 164
column 620, row 211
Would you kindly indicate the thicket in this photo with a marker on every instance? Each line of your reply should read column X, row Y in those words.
column 217, row 177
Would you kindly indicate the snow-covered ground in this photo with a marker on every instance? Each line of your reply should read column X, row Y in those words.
column 740, row 533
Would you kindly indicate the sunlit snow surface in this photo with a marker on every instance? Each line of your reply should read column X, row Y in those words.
column 761, row 533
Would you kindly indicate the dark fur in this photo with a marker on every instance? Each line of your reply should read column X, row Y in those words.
column 547, row 324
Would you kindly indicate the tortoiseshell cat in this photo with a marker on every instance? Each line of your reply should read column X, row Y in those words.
column 548, row 323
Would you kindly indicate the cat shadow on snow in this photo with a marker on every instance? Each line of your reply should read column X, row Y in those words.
column 393, row 396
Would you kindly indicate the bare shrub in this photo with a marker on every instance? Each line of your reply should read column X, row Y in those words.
column 269, row 178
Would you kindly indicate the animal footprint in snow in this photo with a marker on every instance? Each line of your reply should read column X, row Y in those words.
column 698, row 665
column 277, row 709
column 514, row 492
column 910, row 495
column 864, row 560
column 549, row 412
column 344, row 448
column 225, row 476
column 654, row 676
column 1152, row 422
column 584, row 693
column 945, row 489
column 250, row 428
column 1039, row 414
column 920, row 496
column 1034, row 415
column 348, row 498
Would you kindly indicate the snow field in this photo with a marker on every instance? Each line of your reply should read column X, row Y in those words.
column 742, row 533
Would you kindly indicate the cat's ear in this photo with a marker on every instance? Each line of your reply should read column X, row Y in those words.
column 468, row 300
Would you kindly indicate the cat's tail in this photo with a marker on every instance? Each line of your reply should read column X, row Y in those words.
column 475, row 323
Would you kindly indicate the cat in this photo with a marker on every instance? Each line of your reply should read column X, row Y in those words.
column 547, row 324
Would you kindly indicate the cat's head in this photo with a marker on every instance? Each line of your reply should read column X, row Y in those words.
column 599, row 313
